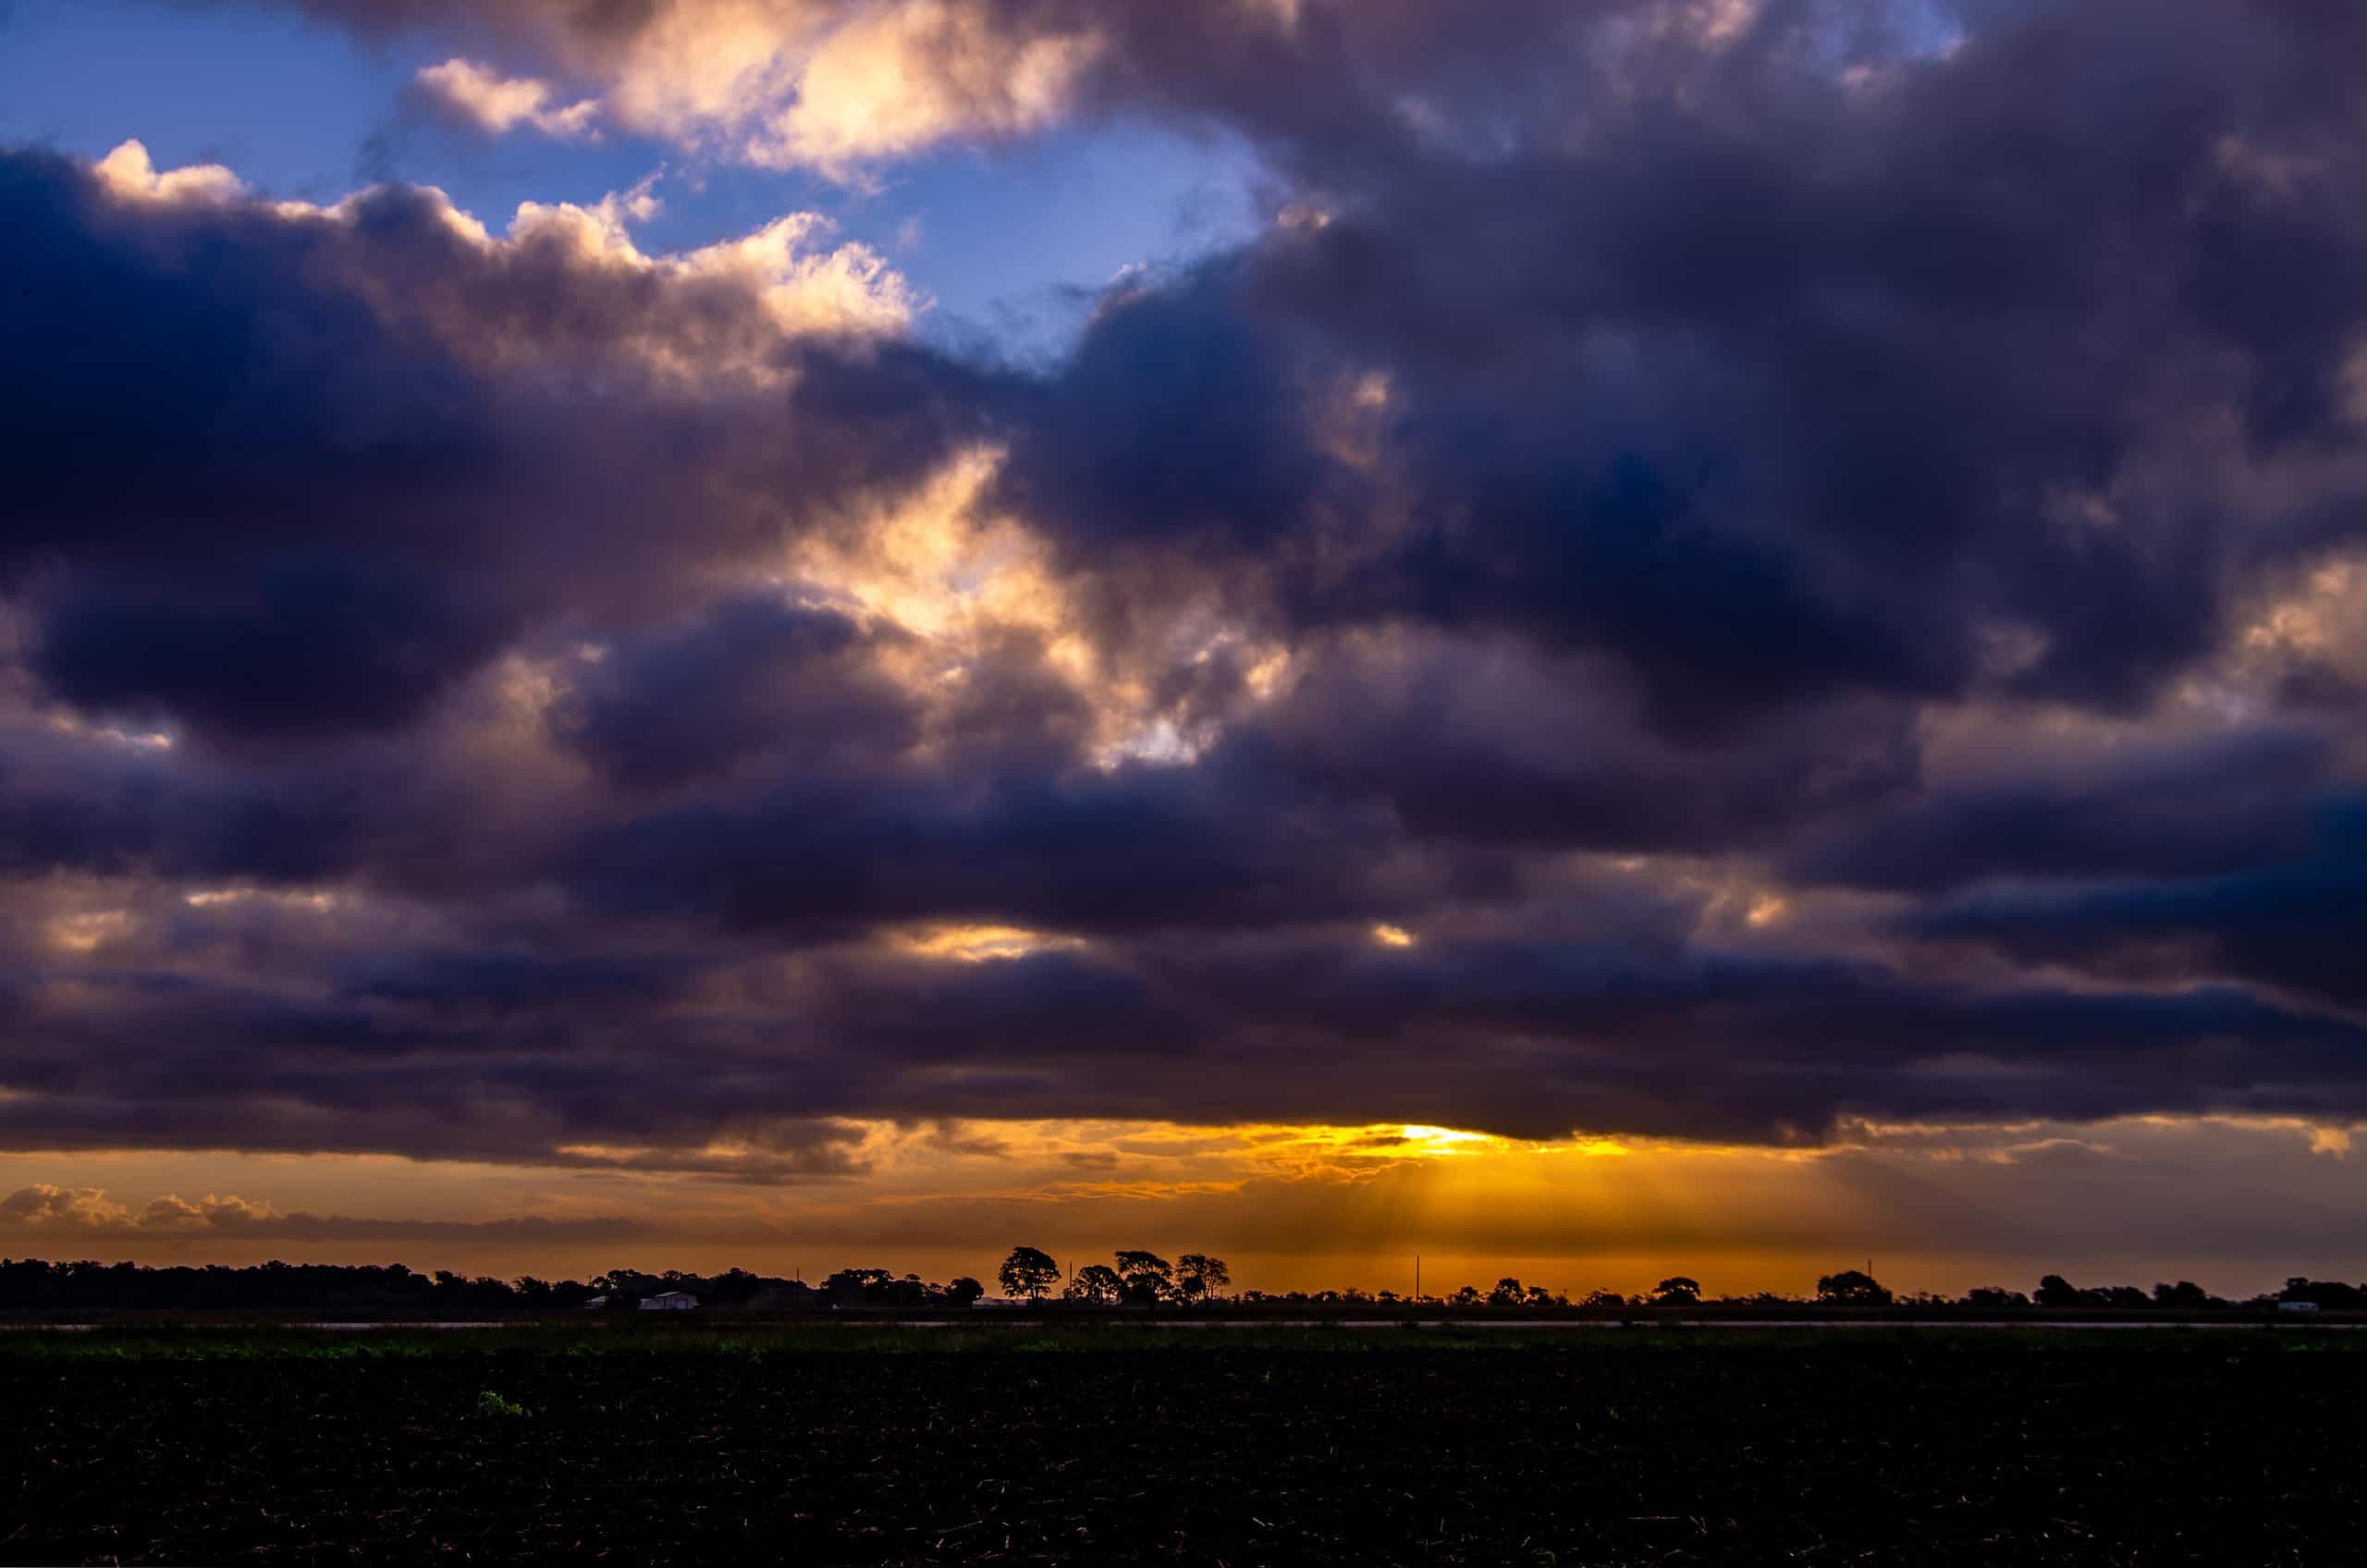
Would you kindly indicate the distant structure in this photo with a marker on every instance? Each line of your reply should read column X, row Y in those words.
column 1001, row 1304
column 670, row 1301
column 596, row 1303
column 2297, row 1306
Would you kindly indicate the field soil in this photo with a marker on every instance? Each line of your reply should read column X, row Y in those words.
column 1660, row 1448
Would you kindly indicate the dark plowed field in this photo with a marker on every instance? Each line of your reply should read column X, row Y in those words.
column 2222, row 1448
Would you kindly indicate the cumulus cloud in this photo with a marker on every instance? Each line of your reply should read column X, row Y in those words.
column 900, row 78
column 128, row 173
column 44, row 1205
column 45, row 1212
column 492, row 103
column 834, row 85
column 430, row 349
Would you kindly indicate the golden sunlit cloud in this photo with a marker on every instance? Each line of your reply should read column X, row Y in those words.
column 129, row 175
column 84, row 932
column 495, row 104
column 933, row 565
column 902, row 78
column 1447, row 1140
column 804, row 285
column 1392, row 936
column 974, row 587
column 138, row 740
column 298, row 897
column 981, row 944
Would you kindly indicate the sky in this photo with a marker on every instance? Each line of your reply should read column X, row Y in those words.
column 1586, row 639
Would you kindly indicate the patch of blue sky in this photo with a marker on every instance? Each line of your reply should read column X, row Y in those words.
column 285, row 104
column 1012, row 243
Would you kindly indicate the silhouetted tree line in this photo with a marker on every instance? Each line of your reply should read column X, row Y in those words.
column 1132, row 1278
column 1129, row 1278
column 877, row 1287
column 1146, row 1279
column 394, row 1290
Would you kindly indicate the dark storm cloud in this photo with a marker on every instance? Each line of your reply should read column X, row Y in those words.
column 1541, row 1037
column 1177, row 415
column 1144, row 846
column 313, row 644
column 481, row 1058
column 504, row 982
column 1870, row 377
column 1481, row 744
column 80, row 807
column 288, row 476
column 2168, row 812
column 2314, row 685
column 1704, row 585
column 754, row 674
column 2298, row 927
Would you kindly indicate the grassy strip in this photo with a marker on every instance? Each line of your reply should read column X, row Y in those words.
column 244, row 1342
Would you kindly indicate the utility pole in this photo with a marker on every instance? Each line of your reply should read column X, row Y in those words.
column 1417, row 1279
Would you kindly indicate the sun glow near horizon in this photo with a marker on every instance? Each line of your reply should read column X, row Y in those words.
column 1310, row 1205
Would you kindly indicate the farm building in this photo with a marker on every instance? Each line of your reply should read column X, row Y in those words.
column 670, row 1301
column 2297, row 1306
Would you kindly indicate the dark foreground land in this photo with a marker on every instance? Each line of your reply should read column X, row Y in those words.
column 694, row 1444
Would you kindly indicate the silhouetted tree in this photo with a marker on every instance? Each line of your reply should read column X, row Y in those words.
column 963, row 1291
column 1995, row 1297
column 1508, row 1292
column 1149, row 1277
column 853, row 1287
column 1599, row 1300
column 1197, row 1275
column 2186, row 1293
column 1027, row 1272
column 735, row 1287
column 2053, row 1290
column 1851, row 1287
column 1097, row 1284
column 1677, row 1290
column 1540, row 1296
column 1467, row 1296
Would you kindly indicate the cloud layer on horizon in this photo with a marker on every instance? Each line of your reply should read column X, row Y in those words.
column 46, row 1214
column 1808, row 568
